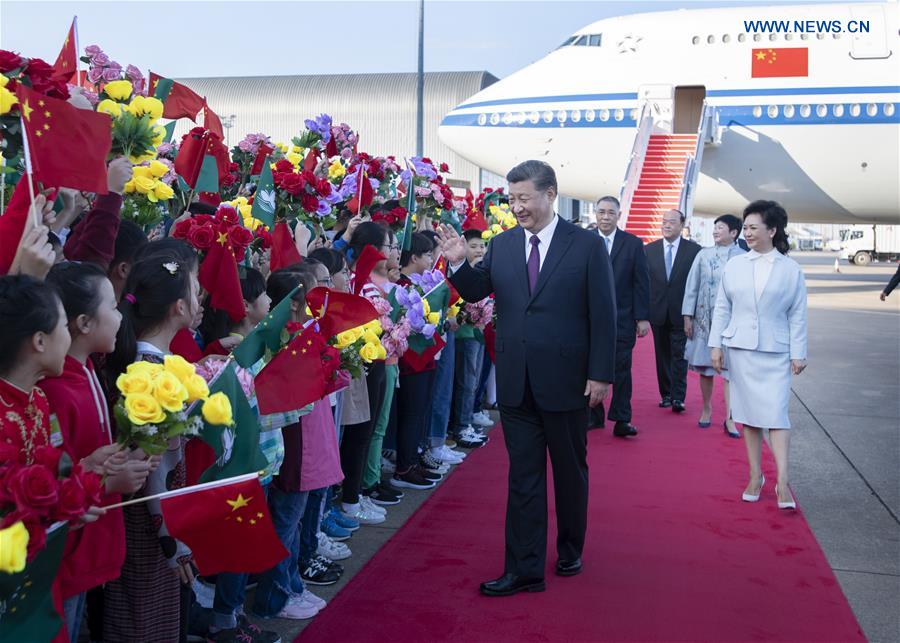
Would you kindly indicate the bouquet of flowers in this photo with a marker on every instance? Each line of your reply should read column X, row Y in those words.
column 154, row 405
column 359, row 346
column 300, row 194
column 150, row 186
column 244, row 153
column 135, row 132
column 102, row 70
column 203, row 230
column 499, row 219
column 478, row 314
column 40, row 490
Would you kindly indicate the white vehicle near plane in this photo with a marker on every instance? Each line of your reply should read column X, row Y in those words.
column 699, row 114
column 863, row 244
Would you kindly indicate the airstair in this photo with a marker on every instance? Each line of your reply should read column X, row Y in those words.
column 663, row 170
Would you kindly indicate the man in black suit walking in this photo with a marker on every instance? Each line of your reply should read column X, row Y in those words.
column 555, row 355
column 629, row 264
column 669, row 260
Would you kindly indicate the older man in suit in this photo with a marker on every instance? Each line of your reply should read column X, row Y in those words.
column 555, row 349
column 629, row 264
column 669, row 260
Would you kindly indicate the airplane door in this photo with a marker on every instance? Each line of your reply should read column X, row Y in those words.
column 660, row 99
column 688, row 109
column 873, row 44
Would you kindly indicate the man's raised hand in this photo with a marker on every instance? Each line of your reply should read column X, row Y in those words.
column 453, row 246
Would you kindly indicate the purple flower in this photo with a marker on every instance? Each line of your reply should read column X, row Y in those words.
column 95, row 75
column 92, row 50
column 402, row 297
column 134, row 74
column 321, row 125
column 346, row 153
column 428, row 330
column 112, row 73
column 165, row 148
column 324, row 209
column 423, row 169
column 100, row 59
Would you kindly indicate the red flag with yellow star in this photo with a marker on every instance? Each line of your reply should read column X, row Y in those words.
column 294, row 377
column 219, row 276
column 226, row 524
column 780, row 62
column 339, row 311
column 66, row 64
column 67, row 146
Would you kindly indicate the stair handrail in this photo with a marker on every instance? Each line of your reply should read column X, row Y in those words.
column 708, row 127
column 635, row 163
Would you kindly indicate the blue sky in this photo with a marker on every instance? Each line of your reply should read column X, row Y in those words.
column 184, row 39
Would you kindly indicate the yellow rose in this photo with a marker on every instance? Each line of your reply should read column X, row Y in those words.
column 294, row 158
column 145, row 367
column 13, row 548
column 141, row 105
column 136, row 382
column 426, row 307
column 369, row 353
column 371, row 338
column 129, row 187
column 137, row 159
column 496, row 228
column 162, row 191
column 245, row 209
column 241, row 200
column 170, row 392
column 336, row 171
column 197, row 388
column 486, row 235
column 217, row 410
column 347, row 337
column 110, row 107
column 252, row 224
column 143, row 409
column 179, row 367
column 375, row 327
column 144, row 185
column 434, row 318
column 159, row 136
column 120, row 90
column 158, row 169
column 454, row 310
column 142, row 171
column 7, row 99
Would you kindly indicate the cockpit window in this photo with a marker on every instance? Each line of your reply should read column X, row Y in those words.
column 568, row 41
column 584, row 40
column 594, row 40
column 581, row 42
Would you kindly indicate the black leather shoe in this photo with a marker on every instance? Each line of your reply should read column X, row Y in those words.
column 665, row 403
column 624, row 430
column 510, row 584
column 677, row 407
column 568, row 567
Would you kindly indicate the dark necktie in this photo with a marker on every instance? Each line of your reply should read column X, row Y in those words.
column 534, row 263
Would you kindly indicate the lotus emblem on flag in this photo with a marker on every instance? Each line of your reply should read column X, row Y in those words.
column 227, row 447
column 267, row 200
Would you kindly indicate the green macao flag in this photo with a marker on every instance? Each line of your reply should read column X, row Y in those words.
column 264, row 197
column 26, row 604
column 267, row 334
column 237, row 447
column 208, row 180
column 406, row 240
column 170, row 130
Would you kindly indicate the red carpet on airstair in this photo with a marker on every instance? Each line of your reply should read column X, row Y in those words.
column 672, row 553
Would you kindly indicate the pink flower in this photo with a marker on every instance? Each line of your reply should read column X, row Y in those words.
column 112, row 73
column 134, row 74
column 95, row 75
column 100, row 59
column 92, row 50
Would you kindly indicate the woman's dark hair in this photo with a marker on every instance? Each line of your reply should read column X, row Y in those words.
column 27, row 306
column 332, row 259
column 166, row 246
column 156, row 281
column 78, row 285
column 216, row 323
column 199, row 207
column 367, row 233
column 129, row 240
column 419, row 245
column 733, row 223
column 538, row 172
column 775, row 218
column 282, row 282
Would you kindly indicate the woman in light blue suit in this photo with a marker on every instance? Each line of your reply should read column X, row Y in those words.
column 760, row 318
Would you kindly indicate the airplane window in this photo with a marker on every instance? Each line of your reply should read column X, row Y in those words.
column 789, row 111
column 633, row 114
column 804, row 36
column 888, row 109
column 742, row 37
column 495, row 118
column 837, row 110
column 820, row 36
column 757, row 111
column 548, row 116
column 589, row 115
column 561, row 116
column 854, row 110
column 581, row 42
column 757, row 37
column 821, row 111
column 773, row 36
column 696, row 40
column 568, row 41
column 788, row 36
column 482, row 119
column 619, row 115
column 576, row 115
column 594, row 40
column 534, row 117
column 772, row 111
column 726, row 38
column 520, row 118
column 871, row 109
column 836, row 35
column 507, row 118
column 710, row 39
column 604, row 114
column 805, row 111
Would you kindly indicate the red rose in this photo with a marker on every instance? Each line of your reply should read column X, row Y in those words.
column 445, row 167
column 234, row 167
column 239, row 237
column 309, row 177
column 292, row 183
column 38, row 68
column 265, row 236
column 34, row 488
column 183, row 229
column 201, row 219
column 202, row 237
column 226, row 214
column 284, row 166
column 228, row 180
column 323, row 187
column 309, row 202
column 48, row 456
column 72, row 499
column 92, row 483
column 10, row 60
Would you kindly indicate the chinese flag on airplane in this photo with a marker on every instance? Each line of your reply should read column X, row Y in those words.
column 226, row 524
column 780, row 62
column 67, row 146
column 66, row 64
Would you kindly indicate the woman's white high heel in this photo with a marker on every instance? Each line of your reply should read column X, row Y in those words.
column 790, row 504
column 746, row 497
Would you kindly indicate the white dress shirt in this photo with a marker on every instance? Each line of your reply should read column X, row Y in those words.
column 762, row 268
column 545, row 236
column 608, row 240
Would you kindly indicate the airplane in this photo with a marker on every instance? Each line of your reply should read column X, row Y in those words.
column 701, row 110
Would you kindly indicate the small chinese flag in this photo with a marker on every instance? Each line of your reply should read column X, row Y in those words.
column 781, row 62
column 66, row 64
column 284, row 251
column 219, row 276
column 295, row 376
column 226, row 524
column 364, row 192
column 67, row 146
column 179, row 101
column 212, row 122
column 190, row 156
column 339, row 311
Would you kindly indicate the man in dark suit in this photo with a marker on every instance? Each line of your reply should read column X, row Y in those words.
column 669, row 260
column 629, row 264
column 555, row 356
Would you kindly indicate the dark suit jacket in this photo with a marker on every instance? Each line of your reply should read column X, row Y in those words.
column 892, row 283
column 632, row 281
column 565, row 332
column 666, row 296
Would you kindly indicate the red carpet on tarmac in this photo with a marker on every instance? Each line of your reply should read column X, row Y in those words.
column 672, row 553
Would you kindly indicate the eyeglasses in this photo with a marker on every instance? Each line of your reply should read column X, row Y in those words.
column 325, row 282
column 393, row 247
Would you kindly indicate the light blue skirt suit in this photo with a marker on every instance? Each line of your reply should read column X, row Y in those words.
column 761, row 337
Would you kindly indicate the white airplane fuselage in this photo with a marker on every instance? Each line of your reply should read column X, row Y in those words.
column 826, row 145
